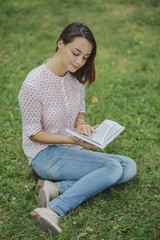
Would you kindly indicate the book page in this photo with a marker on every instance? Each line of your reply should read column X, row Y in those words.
column 113, row 129
column 104, row 131
column 113, row 136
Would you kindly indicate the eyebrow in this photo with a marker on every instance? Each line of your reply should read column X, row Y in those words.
column 81, row 51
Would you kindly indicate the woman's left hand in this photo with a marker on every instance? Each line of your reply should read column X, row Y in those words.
column 85, row 128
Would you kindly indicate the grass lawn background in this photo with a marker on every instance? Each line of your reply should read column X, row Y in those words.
column 127, row 87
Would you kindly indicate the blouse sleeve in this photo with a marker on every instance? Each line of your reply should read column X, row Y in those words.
column 31, row 109
column 82, row 104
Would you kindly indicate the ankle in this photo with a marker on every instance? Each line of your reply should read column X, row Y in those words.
column 53, row 210
column 58, row 190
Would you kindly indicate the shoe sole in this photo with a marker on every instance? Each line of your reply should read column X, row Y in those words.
column 40, row 184
column 42, row 199
column 46, row 225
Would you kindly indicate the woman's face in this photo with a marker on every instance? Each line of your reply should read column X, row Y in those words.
column 75, row 54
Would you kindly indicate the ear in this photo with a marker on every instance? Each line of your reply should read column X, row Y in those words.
column 60, row 43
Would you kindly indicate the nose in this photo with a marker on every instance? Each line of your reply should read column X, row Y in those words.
column 79, row 61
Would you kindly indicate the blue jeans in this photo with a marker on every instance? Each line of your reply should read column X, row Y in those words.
column 80, row 174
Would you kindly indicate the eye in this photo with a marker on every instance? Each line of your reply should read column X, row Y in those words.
column 75, row 54
column 86, row 58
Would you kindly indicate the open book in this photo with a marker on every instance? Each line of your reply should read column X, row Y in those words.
column 106, row 132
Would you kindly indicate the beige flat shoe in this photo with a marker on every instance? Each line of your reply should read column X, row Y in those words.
column 46, row 191
column 48, row 219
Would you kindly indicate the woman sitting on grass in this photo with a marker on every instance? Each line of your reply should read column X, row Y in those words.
column 52, row 98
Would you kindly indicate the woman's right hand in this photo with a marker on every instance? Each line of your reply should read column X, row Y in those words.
column 83, row 144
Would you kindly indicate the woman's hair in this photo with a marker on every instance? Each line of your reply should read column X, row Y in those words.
column 73, row 30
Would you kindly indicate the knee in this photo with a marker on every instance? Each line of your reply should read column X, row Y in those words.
column 131, row 167
column 115, row 169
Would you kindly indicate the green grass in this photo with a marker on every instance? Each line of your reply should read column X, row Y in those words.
column 128, row 90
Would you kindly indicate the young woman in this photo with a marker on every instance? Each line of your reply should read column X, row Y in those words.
column 52, row 98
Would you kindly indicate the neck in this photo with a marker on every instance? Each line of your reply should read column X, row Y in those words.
column 55, row 65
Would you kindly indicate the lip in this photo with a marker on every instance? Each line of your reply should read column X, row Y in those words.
column 75, row 66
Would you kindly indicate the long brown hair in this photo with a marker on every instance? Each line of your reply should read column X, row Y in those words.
column 73, row 30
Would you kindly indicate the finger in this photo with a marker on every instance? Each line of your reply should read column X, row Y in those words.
column 96, row 126
column 84, row 144
column 87, row 145
column 93, row 130
column 80, row 130
column 88, row 128
column 84, row 129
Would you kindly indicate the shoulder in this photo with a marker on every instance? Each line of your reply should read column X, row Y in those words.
column 34, row 76
column 32, row 82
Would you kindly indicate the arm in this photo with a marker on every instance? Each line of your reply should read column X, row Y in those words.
column 80, row 119
column 49, row 138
